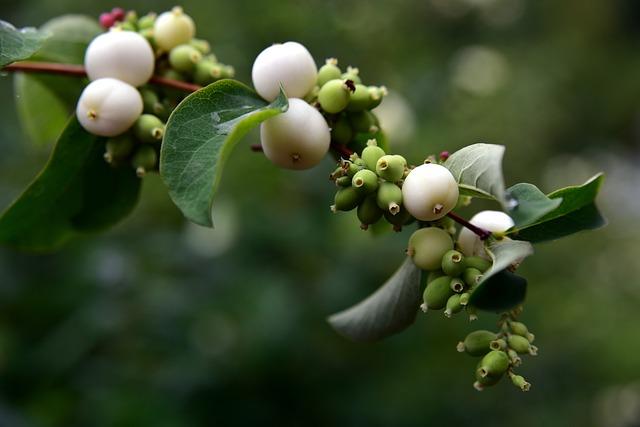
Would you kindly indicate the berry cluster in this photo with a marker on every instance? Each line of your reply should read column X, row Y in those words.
column 119, row 103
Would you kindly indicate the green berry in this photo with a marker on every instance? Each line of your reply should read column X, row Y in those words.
column 453, row 263
column 172, row 74
column 148, row 128
column 464, row 298
column 499, row 344
column 144, row 160
column 147, row 21
column 118, row 148
column 334, row 96
column 347, row 199
column 150, row 101
column 484, row 381
column 477, row 262
column 360, row 99
column 433, row 275
column 184, row 57
column 427, row 246
column 453, row 305
column 366, row 181
column 391, row 167
column 520, row 382
column 471, row 276
column 343, row 181
column 352, row 74
column 519, row 328
column 201, row 45
column 126, row 26
column 402, row 217
column 436, row 294
column 363, row 121
column 520, row 344
column 457, row 285
column 207, row 72
column 147, row 33
column 376, row 95
column 368, row 211
column 477, row 343
column 341, row 131
column 389, row 197
column 371, row 153
column 329, row 71
column 493, row 364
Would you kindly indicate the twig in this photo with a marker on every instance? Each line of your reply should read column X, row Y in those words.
column 481, row 232
column 79, row 71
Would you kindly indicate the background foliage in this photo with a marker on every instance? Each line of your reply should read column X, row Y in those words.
column 159, row 322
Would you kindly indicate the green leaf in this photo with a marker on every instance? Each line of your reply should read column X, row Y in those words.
column 576, row 212
column 478, row 170
column 199, row 137
column 16, row 45
column 503, row 253
column 44, row 101
column 391, row 309
column 526, row 204
column 502, row 291
column 75, row 192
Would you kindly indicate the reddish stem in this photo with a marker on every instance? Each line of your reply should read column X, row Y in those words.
column 79, row 71
column 481, row 232
column 256, row 148
column 342, row 150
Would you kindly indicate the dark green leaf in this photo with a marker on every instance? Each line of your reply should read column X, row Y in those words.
column 502, row 291
column 44, row 101
column 199, row 137
column 576, row 212
column 527, row 204
column 391, row 309
column 478, row 170
column 16, row 45
column 76, row 191
column 504, row 253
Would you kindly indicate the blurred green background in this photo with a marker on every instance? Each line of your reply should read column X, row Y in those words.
column 159, row 322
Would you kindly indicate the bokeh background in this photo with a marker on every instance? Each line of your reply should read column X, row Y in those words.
column 159, row 322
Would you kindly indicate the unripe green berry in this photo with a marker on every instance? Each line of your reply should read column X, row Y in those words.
column 371, row 153
column 144, row 160
column 147, row 33
column 471, row 276
column 464, row 298
column 436, row 294
column 148, row 128
column 352, row 74
column 520, row 382
column 363, row 121
column 118, row 148
column 520, row 344
column 203, row 46
column 341, row 131
column 400, row 218
column 366, row 181
column 433, row 275
column 499, row 344
column 477, row 262
column 172, row 74
column 206, row 72
column 329, row 71
column 347, row 199
column 513, row 357
column 453, row 305
column 368, row 211
column 427, row 246
column 477, row 343
column 125, row 26
column 343, row 181
column 453, row 263
column 389, row 197
column 150, row 100
column 391, row 167
column 360, row 99
column 334, row 96
column 147, row 21
column 485, row 381
column 456, row 285
column 184, row 57
column 519, row 328
column 493, row 364
column 376, row 94
column 352, row 167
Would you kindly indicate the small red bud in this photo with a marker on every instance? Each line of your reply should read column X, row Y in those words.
column 444, row 155
column 118, row 13
column 107, row 20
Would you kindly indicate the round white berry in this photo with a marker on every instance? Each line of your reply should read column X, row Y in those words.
column 429, row 192
column 173, row 28
column 289, row 64
column 494, row 221
column 108, row 107
column 296, row 139
column 122, row 55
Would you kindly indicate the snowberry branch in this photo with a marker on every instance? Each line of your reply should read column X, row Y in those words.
column 79, row 71
column 481, row 232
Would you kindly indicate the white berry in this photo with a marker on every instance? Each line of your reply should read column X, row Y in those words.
column 173, row 28
column 429, row 192
column 296, row 139
column 494, row 221
column 108, row 107
column 289, row 64
column 122, row 55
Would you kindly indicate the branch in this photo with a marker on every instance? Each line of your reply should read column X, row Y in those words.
column 481, row 232
column 79, row 71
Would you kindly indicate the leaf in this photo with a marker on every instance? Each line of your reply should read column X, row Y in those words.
column 16, row 45
column 527, row 204
column 390, row 309
column 502, row 291
column 200, row 134
column 44, row 101
column 503, row 253
column 75, row 192
column 576, row 212
column 478, row 170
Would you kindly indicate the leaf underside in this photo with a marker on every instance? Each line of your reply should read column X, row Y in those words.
column 16, row 45
column 199, row 137
column 390, row 309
